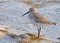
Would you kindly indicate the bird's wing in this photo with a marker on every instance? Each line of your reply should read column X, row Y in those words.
column 39, row 18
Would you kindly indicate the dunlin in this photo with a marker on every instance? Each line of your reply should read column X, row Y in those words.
column 38, row 19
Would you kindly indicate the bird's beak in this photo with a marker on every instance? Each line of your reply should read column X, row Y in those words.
column 26, row 13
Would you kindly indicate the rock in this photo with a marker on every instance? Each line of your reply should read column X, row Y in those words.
column 13, row 35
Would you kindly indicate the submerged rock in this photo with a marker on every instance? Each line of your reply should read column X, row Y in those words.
column 22, row 41
column 13, row 35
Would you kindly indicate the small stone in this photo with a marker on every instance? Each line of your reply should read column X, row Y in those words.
column 13, row 35
column 58, row 38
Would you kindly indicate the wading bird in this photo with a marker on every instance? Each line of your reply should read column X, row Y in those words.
column 38, row 19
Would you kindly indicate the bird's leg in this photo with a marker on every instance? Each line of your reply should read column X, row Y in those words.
column 39, row 30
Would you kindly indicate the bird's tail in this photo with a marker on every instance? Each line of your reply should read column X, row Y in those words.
column 54, row 23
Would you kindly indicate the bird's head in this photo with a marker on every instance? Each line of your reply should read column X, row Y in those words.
column 33, row 9
column 30, row 10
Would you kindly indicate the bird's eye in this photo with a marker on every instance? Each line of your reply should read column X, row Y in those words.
column 32, row 9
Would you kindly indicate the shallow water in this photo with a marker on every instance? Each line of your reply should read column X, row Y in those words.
column 11, row 20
